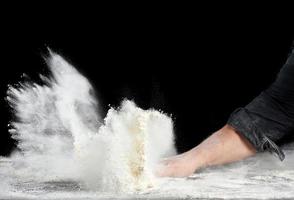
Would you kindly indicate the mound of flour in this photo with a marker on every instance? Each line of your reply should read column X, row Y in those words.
column 125, row 151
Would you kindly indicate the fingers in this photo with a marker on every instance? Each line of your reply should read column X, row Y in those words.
column 162, row 169
column 177, row 166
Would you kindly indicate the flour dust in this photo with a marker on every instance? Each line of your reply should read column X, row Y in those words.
column 61, row 134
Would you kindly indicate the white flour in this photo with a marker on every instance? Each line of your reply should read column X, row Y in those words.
column 61, row 134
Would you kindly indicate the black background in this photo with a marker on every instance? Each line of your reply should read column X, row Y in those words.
column 197, row 67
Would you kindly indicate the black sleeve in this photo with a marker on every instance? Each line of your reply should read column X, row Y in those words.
column 270, row 116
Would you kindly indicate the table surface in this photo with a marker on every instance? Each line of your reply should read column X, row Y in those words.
column 260, row 177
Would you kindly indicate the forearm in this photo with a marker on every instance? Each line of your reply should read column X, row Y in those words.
column 223, row 146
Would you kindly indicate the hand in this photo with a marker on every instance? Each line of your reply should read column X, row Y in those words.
column 223, row 146
column 178, row 166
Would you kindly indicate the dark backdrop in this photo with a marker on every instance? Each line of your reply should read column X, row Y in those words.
column 196, row 68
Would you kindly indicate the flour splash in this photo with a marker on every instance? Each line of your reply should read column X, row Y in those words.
column 67, row 151
column 61, row 134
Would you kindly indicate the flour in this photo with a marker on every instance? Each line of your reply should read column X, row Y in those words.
column 61, row 134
